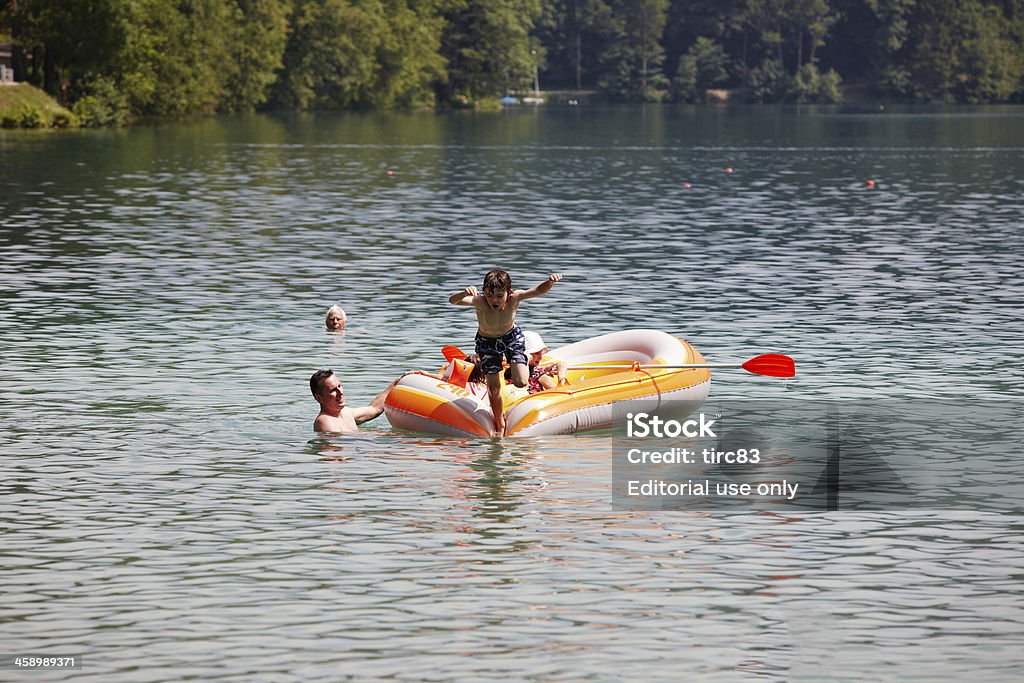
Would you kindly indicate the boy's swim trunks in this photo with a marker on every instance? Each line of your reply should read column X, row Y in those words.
column 511, row 345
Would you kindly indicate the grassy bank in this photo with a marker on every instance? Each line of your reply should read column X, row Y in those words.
column 25, row 106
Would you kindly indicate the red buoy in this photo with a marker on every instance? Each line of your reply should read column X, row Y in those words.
column 869, row 183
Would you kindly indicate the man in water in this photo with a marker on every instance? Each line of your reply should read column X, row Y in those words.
column 334, row 415
column 335, row 319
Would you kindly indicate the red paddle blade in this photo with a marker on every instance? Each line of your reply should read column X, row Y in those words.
column 771, row 364
column 453, row 352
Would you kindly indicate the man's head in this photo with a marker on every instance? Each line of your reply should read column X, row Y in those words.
column 327, row 390
column 497, row 287
column 335, row 318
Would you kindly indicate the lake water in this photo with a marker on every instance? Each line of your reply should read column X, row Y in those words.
column 168, row 514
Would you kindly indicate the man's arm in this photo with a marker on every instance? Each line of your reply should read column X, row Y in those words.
column 376, row 407
column 542, row 288
column 464, row 297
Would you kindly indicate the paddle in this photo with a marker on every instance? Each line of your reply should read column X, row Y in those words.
column 770, row 364
column 450, row 352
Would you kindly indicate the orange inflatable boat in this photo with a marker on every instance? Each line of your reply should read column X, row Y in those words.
column 603, row 370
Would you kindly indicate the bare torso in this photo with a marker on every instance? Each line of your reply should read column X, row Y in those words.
column 495, row 322
column 345, row 423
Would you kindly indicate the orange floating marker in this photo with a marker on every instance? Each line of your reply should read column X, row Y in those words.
column 728, row 169
column 687, row 186
column 869, row 183
column 389, row 172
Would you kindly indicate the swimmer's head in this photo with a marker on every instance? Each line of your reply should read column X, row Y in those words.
column 327, row 390
column 335, row 318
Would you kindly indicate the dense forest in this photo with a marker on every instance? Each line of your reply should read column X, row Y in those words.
column 111, row 59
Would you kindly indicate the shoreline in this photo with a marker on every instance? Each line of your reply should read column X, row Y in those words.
column 24, row 106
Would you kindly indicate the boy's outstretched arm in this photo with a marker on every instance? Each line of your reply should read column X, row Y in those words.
column 542, row 288
column 464, row 297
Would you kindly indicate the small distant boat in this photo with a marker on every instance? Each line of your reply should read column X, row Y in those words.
column 620, row 366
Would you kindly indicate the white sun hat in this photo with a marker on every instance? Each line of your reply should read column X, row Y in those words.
column 534, row 343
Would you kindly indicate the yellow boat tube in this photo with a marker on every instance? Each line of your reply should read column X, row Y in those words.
column 426, row 403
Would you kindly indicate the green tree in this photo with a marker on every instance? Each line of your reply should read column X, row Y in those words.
column 597, row 31
column 891, row 71
column 634, row 62
column 966, row 51
column 257, row 41
column 813, row 19
column 764, row 19
column 789, row 32
column 329, row 61
column 171, row 62
column 810, row 85
column 153, row 56
column 787, row 27
column 717, row 20
column 705, row 65
column 64, row 39
column 576, row 34
column 487, row 47
column 767, row 82
column 992, row 55
column 554, row 29
column 411, row 65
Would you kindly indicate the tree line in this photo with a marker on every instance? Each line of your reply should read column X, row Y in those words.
column 118, row 58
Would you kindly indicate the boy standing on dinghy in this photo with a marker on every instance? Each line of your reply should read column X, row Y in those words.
column 498, row 336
